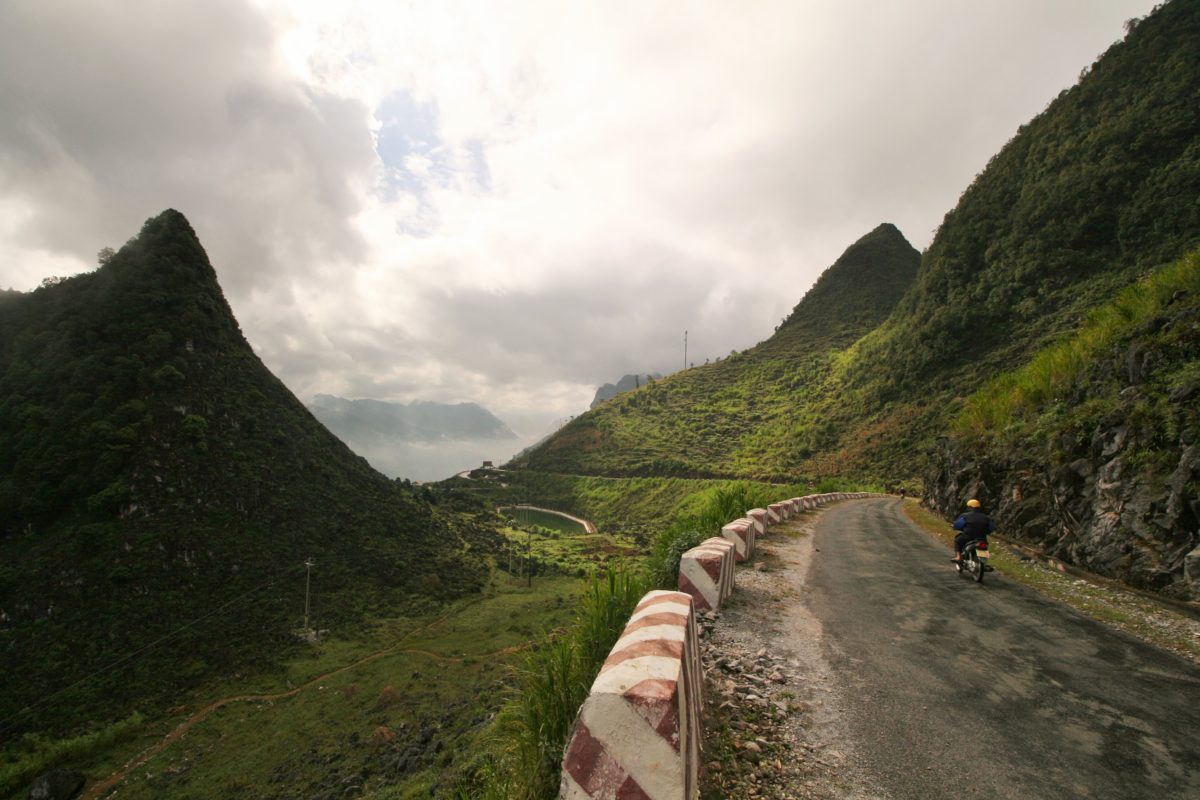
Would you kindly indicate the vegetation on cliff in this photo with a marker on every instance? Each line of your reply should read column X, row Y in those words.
column 1091, row 451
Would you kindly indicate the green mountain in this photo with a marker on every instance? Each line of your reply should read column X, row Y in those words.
column 160, row 490
column 859, row 381
column 731, row 417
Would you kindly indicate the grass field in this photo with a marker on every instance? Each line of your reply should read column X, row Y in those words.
column 393, row 711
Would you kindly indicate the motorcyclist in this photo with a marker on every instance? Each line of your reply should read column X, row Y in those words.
column 972, row 525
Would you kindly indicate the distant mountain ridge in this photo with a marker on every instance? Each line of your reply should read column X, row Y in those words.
column 418, row 421
column 626, row 384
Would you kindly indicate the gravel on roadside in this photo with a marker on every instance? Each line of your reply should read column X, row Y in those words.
column 772, row 718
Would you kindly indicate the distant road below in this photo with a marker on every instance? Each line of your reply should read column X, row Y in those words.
column 955, row 689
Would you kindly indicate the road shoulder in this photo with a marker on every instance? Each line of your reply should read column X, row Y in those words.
column 774, row 719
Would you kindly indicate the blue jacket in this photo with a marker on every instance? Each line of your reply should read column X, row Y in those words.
column 975, row 524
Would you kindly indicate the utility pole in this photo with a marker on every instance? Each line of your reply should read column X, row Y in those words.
column 528, row 545
column 685, row 349
column 309, row 564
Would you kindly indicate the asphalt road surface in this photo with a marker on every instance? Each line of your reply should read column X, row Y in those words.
column 955, row 689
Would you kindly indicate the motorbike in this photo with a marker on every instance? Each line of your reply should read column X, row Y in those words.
column 974, row 559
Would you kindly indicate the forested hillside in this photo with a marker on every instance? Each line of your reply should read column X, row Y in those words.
column 157, row 481
column 1098, row 189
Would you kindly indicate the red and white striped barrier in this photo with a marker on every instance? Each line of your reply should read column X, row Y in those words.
column 742, row 533
column 781, row 510
column 638, row 733
column 759, row 517
column 706, row 573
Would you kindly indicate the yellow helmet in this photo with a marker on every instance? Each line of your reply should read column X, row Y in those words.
column 973, row 503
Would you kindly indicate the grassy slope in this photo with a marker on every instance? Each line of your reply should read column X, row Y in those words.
column 445, row 674
column 738, row 417
column 1092, row 193
column 1072, row 382
column 1097, row 189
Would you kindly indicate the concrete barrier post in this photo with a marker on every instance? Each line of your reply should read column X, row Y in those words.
column 706, row 573
column 638, row 733
column 781, row 510
column 759, row 516
column 742, row 533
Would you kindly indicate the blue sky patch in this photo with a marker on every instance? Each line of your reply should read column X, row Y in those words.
column 416, row 157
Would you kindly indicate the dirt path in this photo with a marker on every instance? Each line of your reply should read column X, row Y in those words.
column 101, row 788
column 774, row 719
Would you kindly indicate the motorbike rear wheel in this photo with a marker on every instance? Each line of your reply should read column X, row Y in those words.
column 977, row 569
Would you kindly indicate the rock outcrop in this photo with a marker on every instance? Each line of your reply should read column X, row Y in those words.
column 1109, row 477
column 57, row 784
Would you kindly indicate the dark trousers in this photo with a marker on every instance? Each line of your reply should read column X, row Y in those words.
column 961, row 540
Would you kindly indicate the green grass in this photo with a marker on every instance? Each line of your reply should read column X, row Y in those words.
column 1013, row 396
column 34, row 754
column 528, row 738
column 442, row 673
column 554, row 552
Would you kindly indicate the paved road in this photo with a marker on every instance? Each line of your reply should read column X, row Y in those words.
column 939, row 672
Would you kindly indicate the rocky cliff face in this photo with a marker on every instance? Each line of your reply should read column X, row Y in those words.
column 1110, row 481
column 627, row 384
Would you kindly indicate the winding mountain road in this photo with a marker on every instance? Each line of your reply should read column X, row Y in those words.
column 955, row 689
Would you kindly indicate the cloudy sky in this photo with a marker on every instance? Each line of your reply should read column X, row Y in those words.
column 510, row 202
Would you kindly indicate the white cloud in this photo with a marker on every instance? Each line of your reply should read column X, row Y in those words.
column 510, row 203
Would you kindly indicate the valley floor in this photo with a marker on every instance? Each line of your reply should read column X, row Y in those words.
column 384, row 715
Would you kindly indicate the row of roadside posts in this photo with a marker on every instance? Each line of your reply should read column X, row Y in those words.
column 638, row 732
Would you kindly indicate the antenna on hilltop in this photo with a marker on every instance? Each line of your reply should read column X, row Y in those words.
column 685, row 349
